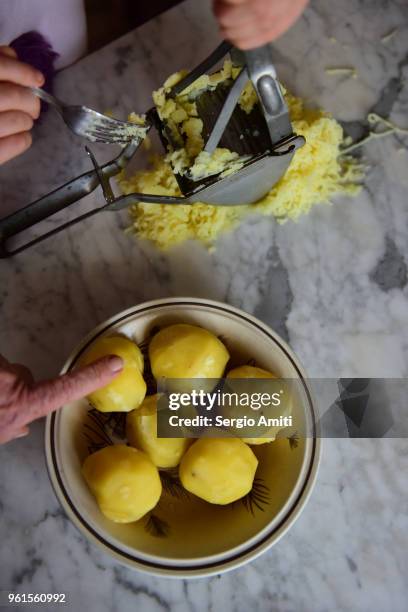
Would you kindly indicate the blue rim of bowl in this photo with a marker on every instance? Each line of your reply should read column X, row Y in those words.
column 162, row 568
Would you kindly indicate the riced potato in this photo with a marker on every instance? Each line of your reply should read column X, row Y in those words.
column 317, row 173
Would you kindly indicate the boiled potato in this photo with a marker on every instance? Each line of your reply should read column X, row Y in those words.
column 187, row 351
column 219, row 470
column 124, row 481
column 141, row 429
column 247, row 371
column 127, row 391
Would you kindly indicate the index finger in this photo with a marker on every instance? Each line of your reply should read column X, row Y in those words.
column 9, row 51
column 14, row 71
column 48, row 396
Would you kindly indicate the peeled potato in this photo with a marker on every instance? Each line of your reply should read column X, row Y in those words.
column 124, row 481
column 248, row 371
column 141, row 429
column 127, row 391
column 187, row 351
column 219, row 470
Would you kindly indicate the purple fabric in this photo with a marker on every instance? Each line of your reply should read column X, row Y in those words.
column 32, row 48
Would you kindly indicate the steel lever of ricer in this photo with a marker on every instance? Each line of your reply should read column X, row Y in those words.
column 68, row 194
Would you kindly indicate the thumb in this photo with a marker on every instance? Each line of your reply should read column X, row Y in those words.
column 47, row 396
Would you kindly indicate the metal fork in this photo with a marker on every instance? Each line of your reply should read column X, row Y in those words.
column 92, row 125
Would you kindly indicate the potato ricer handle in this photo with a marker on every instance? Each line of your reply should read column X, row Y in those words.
column 261, row 71
column 54, row 202
column 41, row 209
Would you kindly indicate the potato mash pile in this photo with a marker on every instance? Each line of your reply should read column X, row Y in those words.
column 125, row 479
column 317, row 172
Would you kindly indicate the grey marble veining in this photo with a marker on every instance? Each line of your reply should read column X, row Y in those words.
column 334, row 285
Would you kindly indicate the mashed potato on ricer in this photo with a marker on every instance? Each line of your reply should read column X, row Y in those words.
column 317, row 172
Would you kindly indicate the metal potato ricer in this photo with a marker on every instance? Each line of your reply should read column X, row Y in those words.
column 263, row 138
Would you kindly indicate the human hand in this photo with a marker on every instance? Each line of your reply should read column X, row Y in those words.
column 23, row 401
column 252, row 23
column 18, row 105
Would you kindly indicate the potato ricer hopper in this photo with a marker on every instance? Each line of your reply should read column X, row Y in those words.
column 264, row 138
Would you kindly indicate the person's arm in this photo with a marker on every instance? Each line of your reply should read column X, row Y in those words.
column 18, row 106
column 252, row 23
column 22, row 400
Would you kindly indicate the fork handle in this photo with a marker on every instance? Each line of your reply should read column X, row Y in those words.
column 48, row 98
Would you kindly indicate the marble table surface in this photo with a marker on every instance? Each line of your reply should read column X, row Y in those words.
column 334, row 285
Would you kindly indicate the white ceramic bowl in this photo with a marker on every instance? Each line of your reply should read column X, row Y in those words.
column 186, row 537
